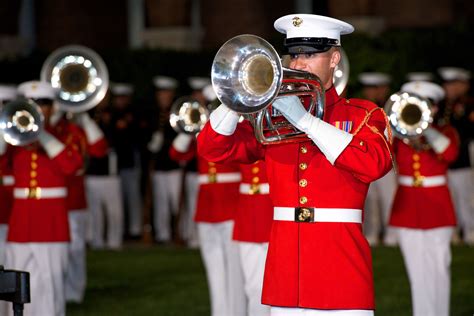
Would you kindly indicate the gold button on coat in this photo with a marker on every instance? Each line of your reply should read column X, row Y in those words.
column 303, row 149
column 303, row 166
column 255, row 170
column 303, row 200
column 303, row 183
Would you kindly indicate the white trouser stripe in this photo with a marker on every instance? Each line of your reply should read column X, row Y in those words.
column 42, row 193
column 345, row 215
column 263, row 188
column 431, row 181
column 220, row 178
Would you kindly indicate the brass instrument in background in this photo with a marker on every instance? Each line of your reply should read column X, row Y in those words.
column 247, row 76
column 409, row 114
column 79, row 75
column 21, row 121
column 341, row 73
column 188, row 116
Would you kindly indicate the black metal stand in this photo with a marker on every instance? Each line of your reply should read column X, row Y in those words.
column 15, row 288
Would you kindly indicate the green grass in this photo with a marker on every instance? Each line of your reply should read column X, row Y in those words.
column 171, row 281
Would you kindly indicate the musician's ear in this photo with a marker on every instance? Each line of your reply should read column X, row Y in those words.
column 335, row 57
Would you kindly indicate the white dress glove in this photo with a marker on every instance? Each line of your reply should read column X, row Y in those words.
column 90, row 127
column 51, row 144
column 224, row 121
column 437, row 140
column 55, row 117
column 156, row 142
column 182, row 141
column 330, row 140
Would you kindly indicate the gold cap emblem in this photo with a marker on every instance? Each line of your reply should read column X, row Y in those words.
column 297, row 21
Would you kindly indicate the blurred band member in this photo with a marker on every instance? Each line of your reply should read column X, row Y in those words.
column 7, row 93
column 38, row 233
column 191, row 185
column 252, row 226
column 423, row 211
column 458, row 111
column 89, row 141
column 103, row 191
column 215, row 212
column 124, row 134
column 167, row 173
column 376, row 88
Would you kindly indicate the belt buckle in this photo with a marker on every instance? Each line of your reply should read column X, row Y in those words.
column 212, row 178
column 34, row 193
column 418, row 181
column 304, row 214
column 254, row 189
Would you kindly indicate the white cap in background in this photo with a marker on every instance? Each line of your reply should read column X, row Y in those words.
column 164, row 82
column 420, row 76
column 374, row 79
column 424, row 89
column 454, row 73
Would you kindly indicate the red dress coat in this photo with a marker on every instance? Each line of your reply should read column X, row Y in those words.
column 6, row 190
column 36, row 218
column 76, row 137
column 254, row 216
column 318, row 265
column 217, row 200
column 424, row 207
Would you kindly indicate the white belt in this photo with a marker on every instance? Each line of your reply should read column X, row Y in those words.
column 39, row 193
column 432, row 181
column 8, row 180
column 219, row 178
column 258, row 188
column 312, row 214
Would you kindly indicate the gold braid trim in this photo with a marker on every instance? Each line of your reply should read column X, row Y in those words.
column 376, row 131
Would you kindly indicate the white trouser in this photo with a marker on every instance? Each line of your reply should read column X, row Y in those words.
column 130, row 183
column 46, row 263
column 105, row 192
column 76, row 276
column 252, row 258
column 461, row 186
column 427, row 256
column 289, row 311
column 3, row 240
column 224, row 275
column 377, row 209
column 187, row 225
column 166, row 194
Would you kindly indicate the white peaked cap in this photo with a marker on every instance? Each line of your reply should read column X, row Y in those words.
column 119, row 88
column 209, row 93
column 454, row 73
column 420, row 76
column 312, row 26
column 424, row 89
column 36, row 90
column 7, row 92
column 198, row 83
column 374, row 78
column 163, row 82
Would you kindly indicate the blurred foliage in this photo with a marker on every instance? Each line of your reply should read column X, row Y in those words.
column 396, row 52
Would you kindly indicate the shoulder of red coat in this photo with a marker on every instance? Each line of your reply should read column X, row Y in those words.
column 360, row 103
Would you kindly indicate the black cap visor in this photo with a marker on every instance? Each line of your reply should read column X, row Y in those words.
column 309, row 45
